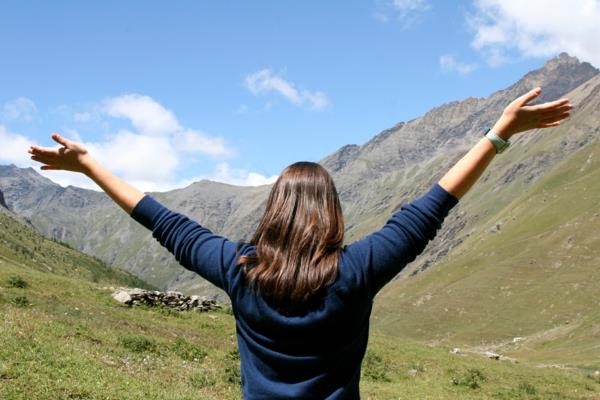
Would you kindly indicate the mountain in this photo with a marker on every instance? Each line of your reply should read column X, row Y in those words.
column 528, row 266
column 25, row 250
column 373, row 179
column 59, row 320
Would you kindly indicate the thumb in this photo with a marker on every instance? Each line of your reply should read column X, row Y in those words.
column 61, row 140
column 527, row 97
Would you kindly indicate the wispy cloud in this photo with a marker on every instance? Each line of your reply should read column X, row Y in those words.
column 234, row 176
column 14, row 147
column 407, row 13
column 147, row 115
column 150, row 155
column 508, row 29
column 448, row 63
column 21, row 108
column 265, row 81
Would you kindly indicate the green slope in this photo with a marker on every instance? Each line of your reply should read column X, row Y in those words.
column 530, row 268
column 63, row 337
column 70, row 340
column 21, row 245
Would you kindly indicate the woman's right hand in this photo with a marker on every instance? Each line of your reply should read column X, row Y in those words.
column 70, row 157
column 520, row 117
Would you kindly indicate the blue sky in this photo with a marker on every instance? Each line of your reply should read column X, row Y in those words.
column 165, row 93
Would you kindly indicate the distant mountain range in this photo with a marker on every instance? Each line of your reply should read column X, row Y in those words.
column 373, row 179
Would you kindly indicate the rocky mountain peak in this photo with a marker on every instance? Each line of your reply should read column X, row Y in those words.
column 557, row 76
column 338, row 160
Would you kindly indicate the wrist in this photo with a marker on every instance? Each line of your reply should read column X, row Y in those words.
column 502, row 129
column 89, row 166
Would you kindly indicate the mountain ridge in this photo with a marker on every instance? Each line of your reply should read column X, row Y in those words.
column 373, row 180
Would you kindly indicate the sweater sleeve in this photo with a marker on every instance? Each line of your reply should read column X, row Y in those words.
column 194, row 246
column 383, row 254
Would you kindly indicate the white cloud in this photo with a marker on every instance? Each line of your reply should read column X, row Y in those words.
column 194, row 141
column 148, row 158
column 405, row 12
column 233, row 176
column 147, row 115
column 152, row 119
column 82, row 116
column 449, row 64
column 20, row 108
column 507, row 29
column 137, row 157
column 14, row 148
column 265, row 81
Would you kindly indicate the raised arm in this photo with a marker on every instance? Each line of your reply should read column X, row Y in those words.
column 518, row 117
column 74, row 157
column 384, row 253
column 194, row 246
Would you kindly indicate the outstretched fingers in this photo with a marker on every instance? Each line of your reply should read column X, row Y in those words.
column 49, row 167
column 551, row 105
column 558, row 110
column 44, row 159
column 61, row 140
column 548, row 124
column 529, row 96
column 43, row 151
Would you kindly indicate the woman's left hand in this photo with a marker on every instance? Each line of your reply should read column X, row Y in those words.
column 519, row 116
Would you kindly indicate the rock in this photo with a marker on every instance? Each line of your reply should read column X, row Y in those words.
column 122, row 297
column 412, row 372
column 175, row 300
column 492, row 355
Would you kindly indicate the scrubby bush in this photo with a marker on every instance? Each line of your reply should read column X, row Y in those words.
column 201, row 380
column 187, row 351
column 137, row 344
column 15, row 281
column 20, row 301
column 232, row 375
column 472, row 378
column 374, row 367
column 527, row 388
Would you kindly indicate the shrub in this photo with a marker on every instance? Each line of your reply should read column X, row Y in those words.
column 234, row 354
column 187, row 351
column 15, row 281
column 527, row 388
column 232, row 375
column 137, row 344
column 201, row 380
column 472, row 378
column 374, row 368
column 20, row 301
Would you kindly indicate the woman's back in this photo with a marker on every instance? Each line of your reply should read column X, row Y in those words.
column 317, row 351
column 308, row 339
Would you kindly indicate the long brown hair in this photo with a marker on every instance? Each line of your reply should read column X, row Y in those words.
column 299, row 238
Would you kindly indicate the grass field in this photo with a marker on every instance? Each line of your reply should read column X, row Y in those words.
column 65, row 338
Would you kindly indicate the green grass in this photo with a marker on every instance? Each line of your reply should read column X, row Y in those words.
column 537, row 277
column 73, row 341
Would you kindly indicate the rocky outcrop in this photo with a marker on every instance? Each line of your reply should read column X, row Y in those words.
column 2, row 202
column 175, row 300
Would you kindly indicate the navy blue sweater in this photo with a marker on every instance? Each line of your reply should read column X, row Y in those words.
column 316, row 355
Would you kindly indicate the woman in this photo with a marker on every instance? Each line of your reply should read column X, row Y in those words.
column 301, row 299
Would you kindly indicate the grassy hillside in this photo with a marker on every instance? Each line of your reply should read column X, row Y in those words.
column 22, row 245
column 63, row 337
column 529, row 268
column 70, row 340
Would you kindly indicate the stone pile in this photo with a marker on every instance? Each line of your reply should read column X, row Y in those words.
column 176, row 300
